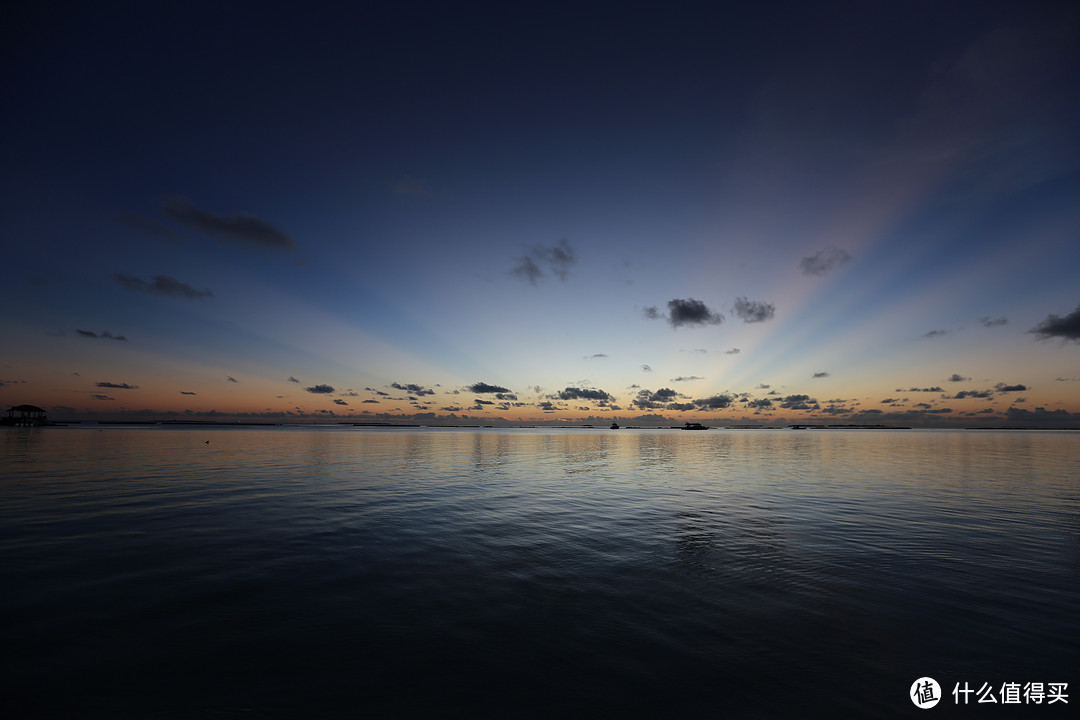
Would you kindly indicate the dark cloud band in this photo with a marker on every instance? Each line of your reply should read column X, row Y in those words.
column 160, row 285
column 240, row 229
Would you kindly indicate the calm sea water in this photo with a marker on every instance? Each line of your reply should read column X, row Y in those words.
column 340, row 572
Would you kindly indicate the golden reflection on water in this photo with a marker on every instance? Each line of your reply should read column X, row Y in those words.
column 910, row 459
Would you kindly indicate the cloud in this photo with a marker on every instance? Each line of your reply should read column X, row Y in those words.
column 293, row 380
column 105, row 334
column 957, row 377
column 799, row 402
column 1042, row 416
column 557, row 259
column 596, row 355
column 647, row 399
column 821, row 375
column 973, row 394
column 339, row 401
column 231, row 379
column 528, row 270
column 754, row 311
column 1002, row 387
column 186, row 392
column 646, row 368
column 760, row 404
column 686, row 378
column 716, row 402
column 934, row 333
column 686, row 312
column 1066, row 328
column 320, row 389
column 482, row 387
column 732, row 351
column 413, row 388
column 161, row 285
column 560, row 259
column 573, row 393
column 691, row 312
column 241, row 230
column 101, row 397
column 824, row 261
column 117, row 386
column 935, row 388
column 998, row 321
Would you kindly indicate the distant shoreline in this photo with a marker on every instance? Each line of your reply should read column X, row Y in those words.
column 295, row 424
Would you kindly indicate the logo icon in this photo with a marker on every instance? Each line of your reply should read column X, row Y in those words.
column 925, row 693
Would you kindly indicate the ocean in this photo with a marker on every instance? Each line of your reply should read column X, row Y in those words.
column 279, row 572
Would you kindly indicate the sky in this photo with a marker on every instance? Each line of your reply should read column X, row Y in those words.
column 469, row 213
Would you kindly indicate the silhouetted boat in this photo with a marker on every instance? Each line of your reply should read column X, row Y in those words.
column 694, row 426
column 614, row 426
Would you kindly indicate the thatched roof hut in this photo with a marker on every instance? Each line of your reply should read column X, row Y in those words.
column 25, row 415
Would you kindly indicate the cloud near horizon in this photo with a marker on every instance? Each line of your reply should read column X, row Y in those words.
column 716, row 402
column 573, row 393
column 649, row 400
column 483, row 387
column 412, row 388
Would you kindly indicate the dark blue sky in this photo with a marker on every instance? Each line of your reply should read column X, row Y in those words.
column 442, row 195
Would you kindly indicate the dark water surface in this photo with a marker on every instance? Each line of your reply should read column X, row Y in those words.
column 532, row 572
